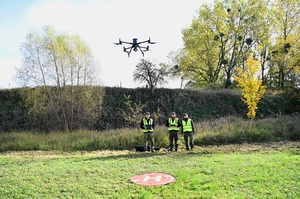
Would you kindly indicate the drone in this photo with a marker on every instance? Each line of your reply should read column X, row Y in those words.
column 135, row 45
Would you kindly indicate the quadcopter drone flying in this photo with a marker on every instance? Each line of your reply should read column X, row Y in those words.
column 135, row 45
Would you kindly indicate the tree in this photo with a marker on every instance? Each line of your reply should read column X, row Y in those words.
column 220, row 39
column 148, row 72
column 63, row 68
column 285, row 56
column 175, row 66
column 251, row 87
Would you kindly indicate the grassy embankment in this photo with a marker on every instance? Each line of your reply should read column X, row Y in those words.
column 213, row 132
column 231, row 171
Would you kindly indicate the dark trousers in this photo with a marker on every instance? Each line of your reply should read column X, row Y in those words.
column 189, row 140
column 173, row 137
column 148, row 141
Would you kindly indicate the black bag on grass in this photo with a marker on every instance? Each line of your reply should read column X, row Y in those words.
column 141, row 148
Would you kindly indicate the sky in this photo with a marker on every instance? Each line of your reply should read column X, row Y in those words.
column 99, row 23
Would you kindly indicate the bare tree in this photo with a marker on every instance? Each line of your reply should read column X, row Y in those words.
column 148, row 72
column 64, row 67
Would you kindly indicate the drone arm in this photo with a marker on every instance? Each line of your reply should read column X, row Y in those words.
column 129, row 52
column 144, row 47
column 127, row 48
column 141, row 42
column 141, row 50
column 125, row 42
column 147, row 41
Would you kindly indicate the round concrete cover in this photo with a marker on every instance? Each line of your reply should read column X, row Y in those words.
column 152, row 179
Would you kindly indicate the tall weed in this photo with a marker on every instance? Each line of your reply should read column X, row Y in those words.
column 227, row 130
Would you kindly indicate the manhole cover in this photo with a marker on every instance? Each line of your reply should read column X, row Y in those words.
column 152, row 179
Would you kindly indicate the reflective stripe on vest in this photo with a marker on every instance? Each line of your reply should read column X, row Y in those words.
column 146, row 123
column 187, row 125
column 173, row 123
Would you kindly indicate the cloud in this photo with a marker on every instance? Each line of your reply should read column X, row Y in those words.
column 8, row 66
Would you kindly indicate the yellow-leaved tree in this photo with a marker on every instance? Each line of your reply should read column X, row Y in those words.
column 251, row 87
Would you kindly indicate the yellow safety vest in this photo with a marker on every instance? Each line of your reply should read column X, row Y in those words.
column 146, row 123
column 187, row 125
column 171, row 122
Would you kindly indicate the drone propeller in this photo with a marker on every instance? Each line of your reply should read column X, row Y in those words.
column 119, row 43
column 144, row 48
column 149, row 41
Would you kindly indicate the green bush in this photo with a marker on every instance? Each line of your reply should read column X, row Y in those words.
column 15, row 114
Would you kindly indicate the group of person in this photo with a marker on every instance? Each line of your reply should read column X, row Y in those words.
column 174, row 124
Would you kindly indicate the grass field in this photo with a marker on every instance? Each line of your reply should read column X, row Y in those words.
column 229, row 171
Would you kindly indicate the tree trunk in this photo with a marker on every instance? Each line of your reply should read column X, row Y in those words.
column 281, row 77
column 228, row 80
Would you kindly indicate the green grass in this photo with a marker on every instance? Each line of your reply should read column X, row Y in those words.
column 229, row 130
column 231, row 171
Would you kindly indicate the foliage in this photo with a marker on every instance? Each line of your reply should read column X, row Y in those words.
column 133, row 112
column 175, row 67
column 16, row 114
column 251, row 87
column 225, row 33
column 285, row 54
column 13, row 114
column 219, row 39
column 199, row 104
column 81, row 107
column 63, row 69
column 148, row 72
column 53, row 59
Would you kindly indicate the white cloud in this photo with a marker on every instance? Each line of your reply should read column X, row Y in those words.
column 8, row 66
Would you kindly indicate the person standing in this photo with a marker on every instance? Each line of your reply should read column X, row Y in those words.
column 173, row 124
column 147, row 124
column 188, row 131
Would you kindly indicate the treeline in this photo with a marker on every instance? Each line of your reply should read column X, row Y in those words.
column 50, row 108
column 25, row 109
column 224, row 34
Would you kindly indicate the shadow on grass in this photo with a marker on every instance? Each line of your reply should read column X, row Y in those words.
column 136, row 155
column 292, row 148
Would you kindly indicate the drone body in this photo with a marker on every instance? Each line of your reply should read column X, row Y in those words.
column 135, row 46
